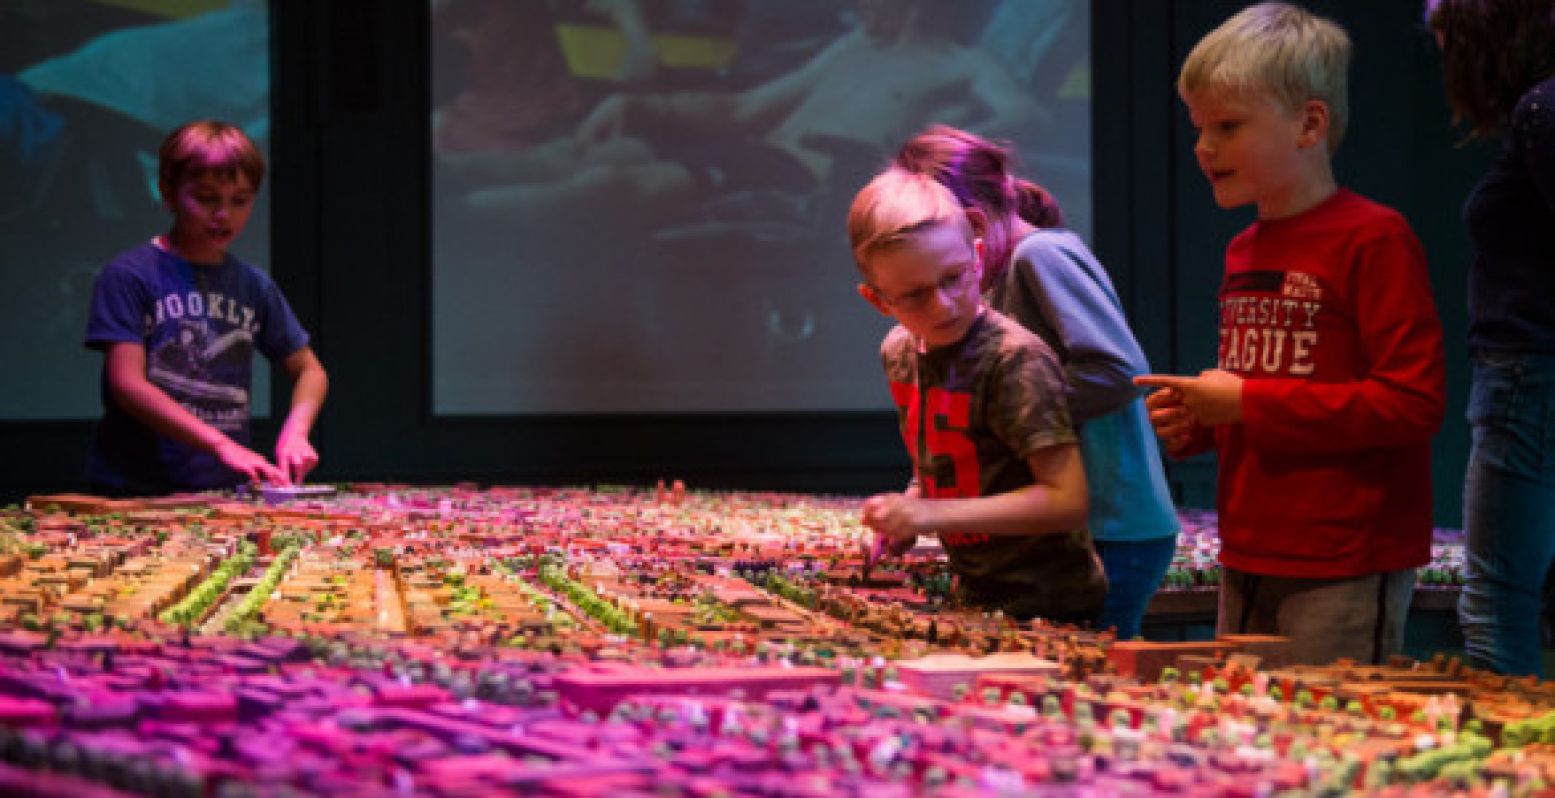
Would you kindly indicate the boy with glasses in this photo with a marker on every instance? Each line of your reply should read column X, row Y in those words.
column 982, row 409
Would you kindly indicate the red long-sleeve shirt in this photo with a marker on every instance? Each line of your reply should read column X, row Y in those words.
column 1328, row 316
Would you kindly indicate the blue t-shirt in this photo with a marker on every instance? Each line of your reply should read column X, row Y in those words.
column 200, row 325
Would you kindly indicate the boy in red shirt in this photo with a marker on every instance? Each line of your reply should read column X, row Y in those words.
column 1330, row 378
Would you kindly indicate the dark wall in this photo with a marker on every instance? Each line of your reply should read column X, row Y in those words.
column 351, row 248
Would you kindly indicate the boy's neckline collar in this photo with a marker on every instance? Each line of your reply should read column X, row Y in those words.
column 160, row 242
column 982, row 317
column 1339, row 193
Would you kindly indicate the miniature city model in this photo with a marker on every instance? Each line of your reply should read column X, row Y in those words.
column 383, row 640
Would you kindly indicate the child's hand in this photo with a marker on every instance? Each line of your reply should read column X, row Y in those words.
column 250, row 464
column 1214, row 397
column 295, row 456
column 897, row 516
column 1172, row 423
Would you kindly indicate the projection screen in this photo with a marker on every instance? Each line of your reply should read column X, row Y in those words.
column 88, row 89
column 639, row 204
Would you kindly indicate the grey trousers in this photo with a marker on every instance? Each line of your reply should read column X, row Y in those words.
column 1360, row 617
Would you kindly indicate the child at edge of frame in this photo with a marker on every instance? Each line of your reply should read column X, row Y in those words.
column 177, row 319
column 982, row 409
column 1330, row 380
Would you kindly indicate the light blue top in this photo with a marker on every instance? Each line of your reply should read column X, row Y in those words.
column 1055, row 287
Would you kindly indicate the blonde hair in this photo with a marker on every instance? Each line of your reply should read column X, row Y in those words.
column 207, row 146
column 1277, row 48
column 895, row 206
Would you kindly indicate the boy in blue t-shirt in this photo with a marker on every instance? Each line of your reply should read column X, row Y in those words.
column 177, row 319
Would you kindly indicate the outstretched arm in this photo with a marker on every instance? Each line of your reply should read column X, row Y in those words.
column 1398, row 398
column 757, row 108
column 125, row 368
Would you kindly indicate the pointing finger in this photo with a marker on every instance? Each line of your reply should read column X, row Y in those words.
column 1162, row 381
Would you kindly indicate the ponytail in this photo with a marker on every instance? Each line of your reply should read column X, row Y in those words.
column 1036, row 205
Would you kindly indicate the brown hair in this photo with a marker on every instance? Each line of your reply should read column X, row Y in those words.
column 980, row 173
column 1493, row 51
column 207, row 146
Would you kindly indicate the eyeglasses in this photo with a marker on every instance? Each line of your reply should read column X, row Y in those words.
column 951, row 284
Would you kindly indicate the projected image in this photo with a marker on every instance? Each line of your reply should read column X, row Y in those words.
column 88, row 89
column 639, row 204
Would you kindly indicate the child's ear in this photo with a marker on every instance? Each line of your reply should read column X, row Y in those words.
column 873, row 299
column 1314, row 124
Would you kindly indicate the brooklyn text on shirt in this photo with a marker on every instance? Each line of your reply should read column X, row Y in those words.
column 204, row 305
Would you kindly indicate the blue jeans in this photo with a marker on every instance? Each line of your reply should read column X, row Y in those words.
column 1508, row 511
column 1134, row 570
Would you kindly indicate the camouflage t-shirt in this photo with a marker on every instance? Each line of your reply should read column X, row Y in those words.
column 971, row 414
